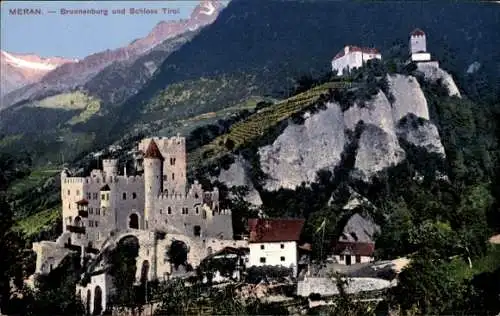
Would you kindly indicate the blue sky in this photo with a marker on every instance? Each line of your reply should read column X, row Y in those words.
column 76, row 36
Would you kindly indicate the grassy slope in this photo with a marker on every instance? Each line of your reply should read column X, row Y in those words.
column 488, row 263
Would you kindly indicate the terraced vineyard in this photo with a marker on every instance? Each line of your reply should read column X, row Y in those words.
column 257, row 124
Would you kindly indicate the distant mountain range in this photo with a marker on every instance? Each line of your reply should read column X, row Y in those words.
column 62, row 76
column 253, row 48
column 19, row 70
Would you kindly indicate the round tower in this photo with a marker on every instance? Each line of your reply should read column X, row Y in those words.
column 153, row 180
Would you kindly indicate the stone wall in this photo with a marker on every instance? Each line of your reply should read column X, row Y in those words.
column 328, row 287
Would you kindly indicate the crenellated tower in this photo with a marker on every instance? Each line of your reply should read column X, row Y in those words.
column 173, row 151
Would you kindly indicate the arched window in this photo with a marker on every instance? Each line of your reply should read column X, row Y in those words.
column 173, row 176
column 134, row 195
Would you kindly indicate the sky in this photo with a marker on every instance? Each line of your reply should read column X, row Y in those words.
column 76, row 36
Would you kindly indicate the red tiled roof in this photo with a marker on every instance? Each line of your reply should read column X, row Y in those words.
column 82, row 202
column 354, row 248
column 364, row 50
column 275, row 230
column 417, row 32
column 153, row 151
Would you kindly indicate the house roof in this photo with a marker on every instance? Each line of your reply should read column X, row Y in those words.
column 105, row 188
column 417, row 32
column 275, row 230
column 364, row 50
column 354, row 248
column 153, row 152
column 82, row 202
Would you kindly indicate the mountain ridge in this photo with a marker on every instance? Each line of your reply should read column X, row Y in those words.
column 69, row 77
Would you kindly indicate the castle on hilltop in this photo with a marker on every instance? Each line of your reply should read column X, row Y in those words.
column 104, row 203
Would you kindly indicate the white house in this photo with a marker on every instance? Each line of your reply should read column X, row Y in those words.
column 418, row 46
column 353, row 57
column 348, row 252
column 273, row 242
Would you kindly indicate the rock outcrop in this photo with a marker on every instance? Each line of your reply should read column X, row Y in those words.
column 319, row 143
column 237, row 175
column 301, row 150
column 360, row 229
column 420, row 132
column 433, row 73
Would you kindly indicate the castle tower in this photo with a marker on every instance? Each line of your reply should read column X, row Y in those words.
column 417, row 42
column 110, row 167
column 174, row 168
column 153, row 175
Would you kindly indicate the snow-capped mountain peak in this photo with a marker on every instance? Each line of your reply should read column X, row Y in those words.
column 209, row 7
column 34, row 62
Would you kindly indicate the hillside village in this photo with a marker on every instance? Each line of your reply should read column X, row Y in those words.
column 154, row 207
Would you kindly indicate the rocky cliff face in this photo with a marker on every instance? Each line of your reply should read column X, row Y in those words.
column 237, row 175
column 433, row 73
column 302, row 150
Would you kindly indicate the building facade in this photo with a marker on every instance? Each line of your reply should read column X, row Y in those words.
column 348, row 253
column 352, row 57
column 274, row 242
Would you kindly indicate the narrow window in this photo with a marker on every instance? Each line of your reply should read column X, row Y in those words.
column 282, row 259
column 103, row 211
column 358, row 259
column 96, row 223
column 262, row 247
column 282, row 246
column 197, row 231
column 107, row 196
column 161, row 211
column 69, row 192
column 124, row 195
column 91, row 224
column 341, row 257
column 77, row 192
column 262, row 260
column 173, row 176
column 169, row 210
column 134, row 195
column 89, row 195
column 91, row 210
column 103, row 196
column 97, row 211
column 197, row 210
